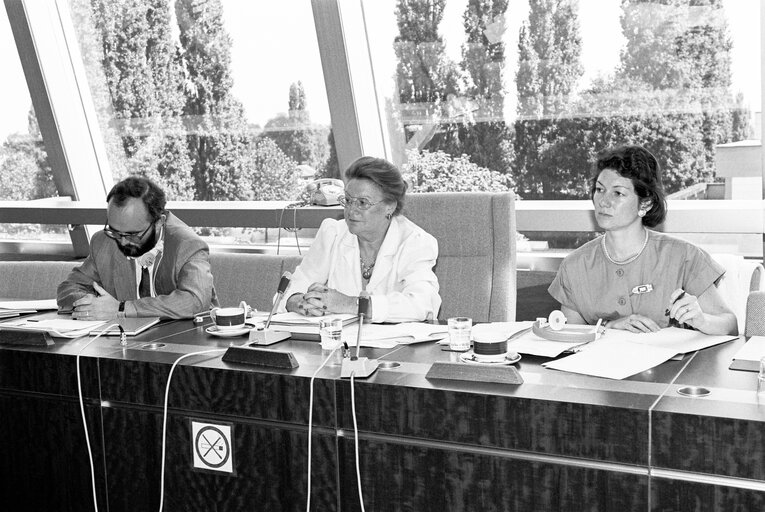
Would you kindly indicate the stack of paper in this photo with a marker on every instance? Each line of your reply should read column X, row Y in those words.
column 300, row 324
column 58, row 327
column 11, row 308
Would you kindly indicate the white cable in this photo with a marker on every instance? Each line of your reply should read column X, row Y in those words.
column 82, row 412
column 164, row 418
column 310, row 423
column 356, row 442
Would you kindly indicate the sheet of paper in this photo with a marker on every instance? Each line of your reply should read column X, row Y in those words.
column 390, row 335
column 37, row 305
column 753, row 350
column 612, row 359
column 674, row 338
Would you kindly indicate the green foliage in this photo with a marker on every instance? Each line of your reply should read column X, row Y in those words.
column 269, row 165
column 439, row 172
column 549, row 68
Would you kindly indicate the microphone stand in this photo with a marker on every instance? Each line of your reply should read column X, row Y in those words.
column 359, row 367
column 266, row 336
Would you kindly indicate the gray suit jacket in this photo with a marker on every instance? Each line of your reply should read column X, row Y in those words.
column 182, row 279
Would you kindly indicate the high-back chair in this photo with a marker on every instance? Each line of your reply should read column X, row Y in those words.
column 476, row 251
column 755, row 314
column 742, row 276
column 33, row 280
column 247, row 277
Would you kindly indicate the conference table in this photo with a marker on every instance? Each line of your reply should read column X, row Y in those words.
column 558, row 441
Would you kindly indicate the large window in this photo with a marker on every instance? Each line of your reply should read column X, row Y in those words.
column 489, row 95
column 25, row 173
column 226, row 100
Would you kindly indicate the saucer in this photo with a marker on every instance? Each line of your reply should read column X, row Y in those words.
column 228, row 333
column 470, row 358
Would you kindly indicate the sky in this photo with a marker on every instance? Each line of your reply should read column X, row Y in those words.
column 274, row 45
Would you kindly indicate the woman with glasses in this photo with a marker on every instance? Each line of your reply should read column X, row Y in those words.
column 374, row 249
column 634, row 278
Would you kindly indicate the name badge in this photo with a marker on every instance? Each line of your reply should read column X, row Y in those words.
column 642, row 288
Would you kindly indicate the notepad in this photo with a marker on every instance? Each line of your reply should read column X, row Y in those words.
column 131, row 326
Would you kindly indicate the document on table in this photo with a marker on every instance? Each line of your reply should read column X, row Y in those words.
column 680, row 340
column 613, row 359
column 619, row 354
column 390, row 335
column 748, row 357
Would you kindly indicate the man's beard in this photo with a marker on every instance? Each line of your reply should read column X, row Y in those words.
column 134, row 251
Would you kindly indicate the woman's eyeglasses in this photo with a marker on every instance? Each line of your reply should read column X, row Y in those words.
column 135, row 236
column 362, row 203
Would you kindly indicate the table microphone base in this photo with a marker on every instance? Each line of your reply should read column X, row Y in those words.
column 268, row 336
column 362, row 368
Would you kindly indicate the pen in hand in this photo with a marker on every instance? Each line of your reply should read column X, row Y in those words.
column 682, row 294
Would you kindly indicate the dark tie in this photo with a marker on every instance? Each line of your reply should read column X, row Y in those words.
column 144, row 289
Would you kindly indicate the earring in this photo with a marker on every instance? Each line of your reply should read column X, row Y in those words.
column 641, row 213
column 388, row 215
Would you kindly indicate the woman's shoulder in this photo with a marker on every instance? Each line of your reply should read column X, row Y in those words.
column 669, row 243
column 583, row 253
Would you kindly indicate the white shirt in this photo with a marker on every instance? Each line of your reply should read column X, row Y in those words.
column 402, row 287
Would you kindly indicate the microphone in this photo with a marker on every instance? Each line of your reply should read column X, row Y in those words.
column 265, row 336
column 284, row 282
column 360, row 367
column 363, row 313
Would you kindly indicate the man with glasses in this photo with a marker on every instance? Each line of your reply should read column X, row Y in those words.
column 145, row 262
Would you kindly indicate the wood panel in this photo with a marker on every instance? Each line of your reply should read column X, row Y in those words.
column 269, row 466
column 43, row 455
column 406, row 477
column 611, row 434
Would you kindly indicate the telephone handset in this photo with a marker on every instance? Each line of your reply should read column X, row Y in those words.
column 325, row 192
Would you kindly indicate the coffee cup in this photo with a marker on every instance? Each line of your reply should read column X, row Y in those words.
column 227, row 319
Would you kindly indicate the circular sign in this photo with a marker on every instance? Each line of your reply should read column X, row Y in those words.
column 212, row 446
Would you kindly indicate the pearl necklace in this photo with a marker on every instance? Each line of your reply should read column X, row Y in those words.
column 628, row 260
column 366, row 270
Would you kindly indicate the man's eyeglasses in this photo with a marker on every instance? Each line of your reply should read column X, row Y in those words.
column 362, row 203
column 135, row 236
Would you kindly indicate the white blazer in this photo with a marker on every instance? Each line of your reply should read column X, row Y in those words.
column 403, row 287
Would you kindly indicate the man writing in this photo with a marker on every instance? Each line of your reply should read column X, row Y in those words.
column 145, row 262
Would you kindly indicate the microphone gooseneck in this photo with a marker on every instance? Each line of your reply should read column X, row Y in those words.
column 284, row 282
column 363, row 313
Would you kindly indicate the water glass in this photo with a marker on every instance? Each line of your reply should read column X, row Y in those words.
column 761, row 380
column 459, row 333
column 331, row 332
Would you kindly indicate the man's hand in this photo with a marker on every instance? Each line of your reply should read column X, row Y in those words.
column 96, row 307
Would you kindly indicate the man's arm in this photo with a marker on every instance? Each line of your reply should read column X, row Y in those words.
column 78, row 284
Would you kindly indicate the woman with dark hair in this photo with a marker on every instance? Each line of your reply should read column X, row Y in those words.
column 631, row 277
column 374, row 248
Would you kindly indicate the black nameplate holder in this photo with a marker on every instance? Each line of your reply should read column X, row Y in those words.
column 248, row 354
column 34, row 338
column 504, row 374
